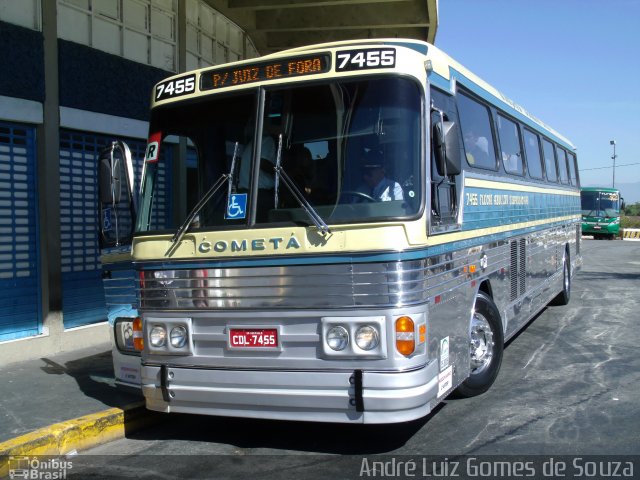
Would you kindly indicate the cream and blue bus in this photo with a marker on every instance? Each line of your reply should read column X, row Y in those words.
column 358, row 229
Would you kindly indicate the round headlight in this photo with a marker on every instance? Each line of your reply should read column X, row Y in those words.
column 158, row 336
column 178, row 337
column 337, row 338
column 367, row 338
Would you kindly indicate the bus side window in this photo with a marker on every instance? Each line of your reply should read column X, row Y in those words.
column 562, row 165
column 475, row 125
column 549, row 160
column 573, row 169
column 510, row 150
column 532, row 150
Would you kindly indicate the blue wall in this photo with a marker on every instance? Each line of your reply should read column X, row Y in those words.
column 100, row 82
column 21, row 62
column 89, row 79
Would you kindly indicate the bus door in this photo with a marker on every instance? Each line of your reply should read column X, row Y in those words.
column 444, row 173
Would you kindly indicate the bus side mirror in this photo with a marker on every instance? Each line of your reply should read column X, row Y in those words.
column 109, row 178
column 447, row 148
column 622, row 204
column 117, row 203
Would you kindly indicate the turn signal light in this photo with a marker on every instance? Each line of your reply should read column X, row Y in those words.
column 138, row 339
column 405, row 336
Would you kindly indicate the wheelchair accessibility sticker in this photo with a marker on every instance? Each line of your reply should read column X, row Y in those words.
column 106, row 220
column 236, row 206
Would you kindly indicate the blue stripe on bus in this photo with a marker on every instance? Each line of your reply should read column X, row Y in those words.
column 486, row 207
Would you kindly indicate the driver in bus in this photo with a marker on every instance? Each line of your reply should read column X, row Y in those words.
column 376, row 184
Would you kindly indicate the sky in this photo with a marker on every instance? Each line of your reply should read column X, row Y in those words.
column 575, row 64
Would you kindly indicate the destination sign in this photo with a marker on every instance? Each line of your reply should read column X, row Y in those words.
column 265, row 71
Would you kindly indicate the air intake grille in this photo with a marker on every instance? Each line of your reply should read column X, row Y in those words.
column 522, row 270
column 513, row 270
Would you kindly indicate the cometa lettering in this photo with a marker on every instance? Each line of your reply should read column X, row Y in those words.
column 255, row 245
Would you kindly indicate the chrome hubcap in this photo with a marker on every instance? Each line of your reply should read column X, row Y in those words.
column 481, row 344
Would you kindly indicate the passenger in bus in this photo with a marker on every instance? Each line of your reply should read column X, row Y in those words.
column 376, row 184
column 477, row 148
column 512, row 163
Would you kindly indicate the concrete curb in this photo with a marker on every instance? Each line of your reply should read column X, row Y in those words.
column 77, row 434
column 632, row 234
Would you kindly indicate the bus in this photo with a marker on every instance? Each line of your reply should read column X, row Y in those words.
column 358, row 228
column 601, row 212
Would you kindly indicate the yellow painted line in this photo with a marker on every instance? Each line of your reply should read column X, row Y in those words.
column 77, row 434
column 476, row 182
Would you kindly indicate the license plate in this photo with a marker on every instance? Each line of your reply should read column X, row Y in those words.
column 253, row 338
column 597, row 227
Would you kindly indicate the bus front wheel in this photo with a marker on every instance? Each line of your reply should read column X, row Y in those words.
column 486, row 343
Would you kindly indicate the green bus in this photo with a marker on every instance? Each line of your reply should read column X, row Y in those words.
column 601, row 211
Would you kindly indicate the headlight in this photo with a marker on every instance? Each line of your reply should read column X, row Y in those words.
column 178, row 337
column 158, row 336
column 337, row 338
column 164, row 277
column 367, row 338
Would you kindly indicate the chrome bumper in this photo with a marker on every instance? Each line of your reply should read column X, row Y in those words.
column 321, row 396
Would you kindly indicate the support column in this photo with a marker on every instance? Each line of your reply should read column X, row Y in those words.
column 48, row 135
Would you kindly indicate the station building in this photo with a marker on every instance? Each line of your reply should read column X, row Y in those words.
column 77, row 74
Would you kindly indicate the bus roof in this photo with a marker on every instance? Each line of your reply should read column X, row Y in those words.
column 449, row 69
column 448, row 73
column 599, row 189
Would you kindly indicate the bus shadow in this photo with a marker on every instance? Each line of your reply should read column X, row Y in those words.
column 604, row 276
column 308, row 437
column 94, row 377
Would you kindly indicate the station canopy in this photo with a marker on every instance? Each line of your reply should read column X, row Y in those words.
column 275, row 25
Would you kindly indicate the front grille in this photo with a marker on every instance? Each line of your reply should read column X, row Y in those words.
column 347, row 285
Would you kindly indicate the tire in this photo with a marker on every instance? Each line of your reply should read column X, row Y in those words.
column 486, row 341
column 565, row 295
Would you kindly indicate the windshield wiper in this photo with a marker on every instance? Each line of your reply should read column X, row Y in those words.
column 225, row 177
column 306, row 206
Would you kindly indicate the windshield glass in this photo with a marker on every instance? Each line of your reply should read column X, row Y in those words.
column 351, row 148
column 600, row 204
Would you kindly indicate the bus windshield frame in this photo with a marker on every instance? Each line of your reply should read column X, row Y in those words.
column 353, row 146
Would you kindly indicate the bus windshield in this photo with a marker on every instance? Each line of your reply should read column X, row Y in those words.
column 600, row 204
column 350, row 148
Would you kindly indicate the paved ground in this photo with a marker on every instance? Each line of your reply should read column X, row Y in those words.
column 568, row 385
column 42, row 392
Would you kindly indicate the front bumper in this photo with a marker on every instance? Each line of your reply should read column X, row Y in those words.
column 322, row 396
column 600, row 229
